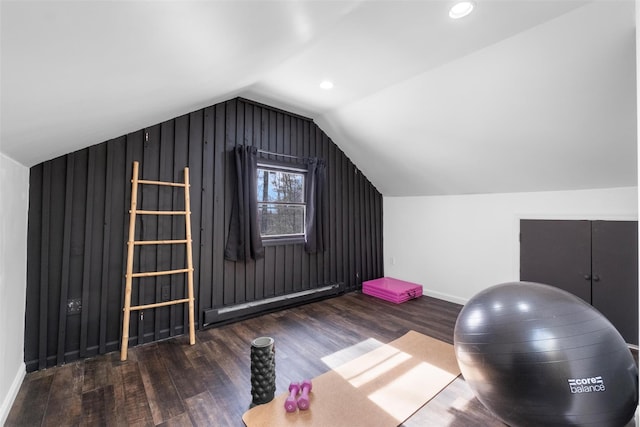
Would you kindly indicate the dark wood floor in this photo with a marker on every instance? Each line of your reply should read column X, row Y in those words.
column 170, row 383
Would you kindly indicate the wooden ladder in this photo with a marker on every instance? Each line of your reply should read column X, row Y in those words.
column 132, row 243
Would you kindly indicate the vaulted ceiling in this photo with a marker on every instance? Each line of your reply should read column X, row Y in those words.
column 524, row 95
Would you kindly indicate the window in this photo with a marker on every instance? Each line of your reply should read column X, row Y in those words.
column 281, row 202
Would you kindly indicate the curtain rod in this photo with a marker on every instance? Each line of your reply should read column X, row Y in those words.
column 283, row 155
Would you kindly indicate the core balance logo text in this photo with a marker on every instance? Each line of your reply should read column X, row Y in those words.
column 586, row 385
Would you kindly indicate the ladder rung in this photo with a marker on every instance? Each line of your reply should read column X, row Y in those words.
column 168, row 184
column 160, row 273
column 159, row 242
column 161, row 212
column 159, row 304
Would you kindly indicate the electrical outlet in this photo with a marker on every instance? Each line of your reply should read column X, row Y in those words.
column 166, row 293
column 74, row 306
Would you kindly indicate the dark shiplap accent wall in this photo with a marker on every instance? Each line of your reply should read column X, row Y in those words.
column 78, row 225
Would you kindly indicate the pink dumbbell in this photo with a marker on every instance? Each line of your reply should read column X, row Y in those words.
column 290, row 404
column 303, row 400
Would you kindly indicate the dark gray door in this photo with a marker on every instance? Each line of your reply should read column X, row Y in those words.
column 615, row 274
column 557, row 253
column 595, row 260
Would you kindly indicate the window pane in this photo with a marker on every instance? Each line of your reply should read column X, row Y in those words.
column 281, row 220
column 280, row 186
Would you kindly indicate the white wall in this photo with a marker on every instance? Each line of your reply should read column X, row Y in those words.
column 637, row 4
column 14, row 203
column 456, row 246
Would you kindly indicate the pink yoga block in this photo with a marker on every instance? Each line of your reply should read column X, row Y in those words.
column 390, row 289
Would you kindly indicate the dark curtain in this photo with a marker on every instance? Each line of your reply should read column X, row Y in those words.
column 316, row 206
column 244, row 241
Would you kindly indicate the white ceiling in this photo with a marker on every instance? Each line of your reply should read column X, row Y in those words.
column 521, row 95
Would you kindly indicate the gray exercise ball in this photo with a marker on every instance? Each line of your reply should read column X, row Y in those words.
column 536, row 355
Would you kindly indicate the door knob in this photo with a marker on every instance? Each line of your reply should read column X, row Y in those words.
column 596, row 278
column 587, row 277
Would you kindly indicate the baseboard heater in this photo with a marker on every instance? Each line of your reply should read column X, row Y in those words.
column 247, row 309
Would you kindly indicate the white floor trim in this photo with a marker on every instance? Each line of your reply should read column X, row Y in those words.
column 7, row 403
column 446, row 297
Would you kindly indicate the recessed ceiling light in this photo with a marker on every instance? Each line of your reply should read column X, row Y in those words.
column 461, row 9
column 326, row 85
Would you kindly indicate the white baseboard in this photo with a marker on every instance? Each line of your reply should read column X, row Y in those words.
column 8, row 400
column 446, row 297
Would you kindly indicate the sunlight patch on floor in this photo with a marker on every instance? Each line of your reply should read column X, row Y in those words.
column 392, row 379
column 345, row 355
column 407, row 385
column 363, row 374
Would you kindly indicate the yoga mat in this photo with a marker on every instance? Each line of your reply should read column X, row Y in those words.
column 383, row 387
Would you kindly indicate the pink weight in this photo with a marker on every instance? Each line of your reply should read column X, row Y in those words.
column 303, row 400
column 290, row 404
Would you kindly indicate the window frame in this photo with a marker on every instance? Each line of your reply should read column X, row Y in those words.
column 284, row 167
